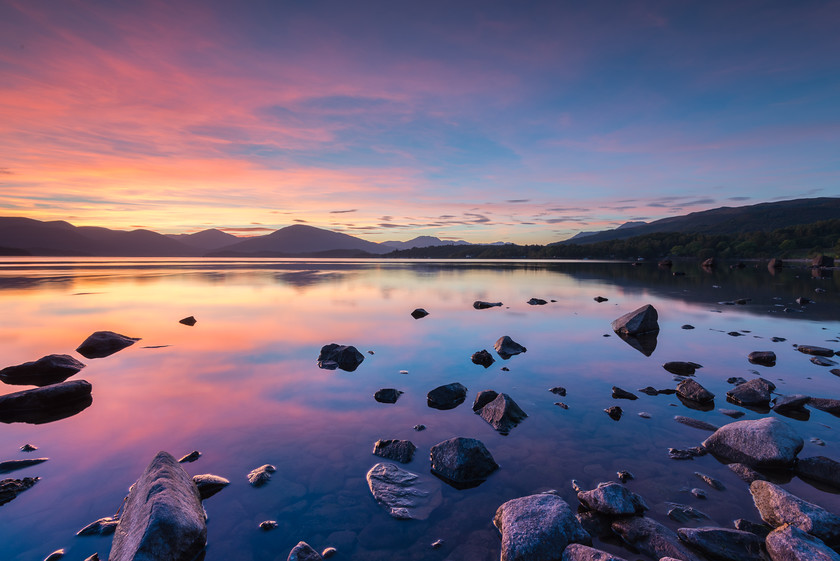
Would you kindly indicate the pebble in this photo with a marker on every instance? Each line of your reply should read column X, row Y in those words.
column 267, row 525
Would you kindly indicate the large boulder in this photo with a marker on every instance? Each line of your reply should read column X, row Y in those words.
column 104, row 343
column 462, row 462
column 47, row 404
column 724, row 543
column 693, row 391
column 537, row 528
column 580, row 552
column 404, row 494
column 652, row 538
column 345, row 357
column 778, row 507
column 612, row 499
column 507, row 347
column 641, row 320
column 162, row 518
column 502, row 413
column 789, row 543
column 756, row 392
column 448, row 396
column 766, row 442
column 47, row 370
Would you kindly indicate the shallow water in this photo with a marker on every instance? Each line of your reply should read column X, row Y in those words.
column 242, row 386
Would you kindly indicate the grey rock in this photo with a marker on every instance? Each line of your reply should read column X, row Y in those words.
column 448, row 396
column 47, row 370
column 11, row 488
column 387, row 395
column 191, row 457
column 261, row 475
column 778, row 507
column 789, row 543
column 819, row 468
column 682, row 368
column 612, row 499
column 482, row 358
column 345, row 357
column 162, row 517
column 482, row 305
column 693, row 391
column 537, row 528
column 640, row 320
column 754, row 392
column 104, row 343
column 710, row 481
column 624, row 476
column 483, row 398
column 405, row 495
column 579, row 552
column 47, row 404
column 695, row 423
column 765, row 442
column 13, row 465
column 725, row 544
column 537, row 302
column 462, row 462
column 419, row 313
column 814, row 350
column 502, row 413
column 652, row 538
column 303, row 552
column 618, row 393
column 824, row 404
column 102, row 527
column 507, row 347
column 683, row 513
column 209, row 484
column 189, row 321
column 649, row 390
column 398, row 450
column 746, row 473
column 737, row 380
column 762, row 358
column 687, row 454
column 790, row 403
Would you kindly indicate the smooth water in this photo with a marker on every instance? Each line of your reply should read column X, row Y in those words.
column 242, row 386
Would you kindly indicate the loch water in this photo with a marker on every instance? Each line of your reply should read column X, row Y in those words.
column 242, row 386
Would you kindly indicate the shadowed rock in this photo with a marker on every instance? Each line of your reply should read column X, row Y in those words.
column 614, row 412
column 618, row 393
column 162, row 518
column 209, row 484
column 821, row 469
column 448, row 396
column 765, row 442
column 640, row 320
column 754, row 392
column 482, row 305
column 502, row 413
column 763, row 358
column 303, row 552
column 482, row 357
column 600, row 299
column 462, row 462
column 189, row 321
column 813, row 350
column 778, row 507
column 47, row 404
column 692, row 391
column 104, row 343
column 191, row 457
column 537, row 302
column 13, row 465
column 387, row 395
column 11, row 488
column 710, row 481
column 824, row 404
column 724, row 543
column 419, row 313
column 47, row 370
column 695, row 423
column 789, row 543
column 652, row 538
column 790, row 403
column 261, row 475
column 579, row 552
column 746, row 473
column 612, row 499
column 682, row 368
column 405, row 495
column 345, row 357
column 398, row 450
column 683, row 513
column 507, row 347
column 102, row 527
column 645, row 343
column 822, row 361
column 483, row 398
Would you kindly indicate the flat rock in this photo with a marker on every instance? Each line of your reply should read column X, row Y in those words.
column 43, row 405
column 345, row 357
column 579, row 552
column 507, row 347
column 11, row 488
column 819, row 468
column 12, row 465
column 387, row 395
column 405, row 495
column 735, row 414
column 191, row 457
column 502, row 413
column 162, row 517
column 618, row 393
column 766, row 442
column 778, row 507
column 640, row 320
column 695, row 423
column 746, row 473
column 104, row 343
column 754, row 392
column 102, row 527
column 612, row 499
column 814, row 350
column 448, row 396
column 537, row 528
column 652, row 538
column 683, row 513
column 209, row 484
column 462, row 462
column 823, row 404
column 762, row 358
column 304, row 552
column 47, row 370
column 482, row 305
column 419, row 313
column 600, row 299
column 682, row 368
column 822, row 361
column 790, row 403
column 724, row 543
column 789, row 543
column 693, row 391
column 483, row 358
column 397, row 450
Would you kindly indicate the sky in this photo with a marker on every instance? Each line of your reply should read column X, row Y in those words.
column 487, row 121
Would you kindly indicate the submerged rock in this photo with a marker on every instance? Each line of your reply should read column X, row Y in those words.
column 746, row 473
column 822, row 361
column 695, row 423
column 162, row 518
column 261, row 475
column 824, row 404
column 482, row 305
column 640, row 320
column 778, row 507
column 652, row 538
column 448, row 396
column 763, row 358
column 419, row 313
column 789, row 543
column 404, row 494
column 11, row 488
column 537, row 528
column 47, row 404
column 683, row 513
column 710, row 481
column 507, row 347
column 558, row 390
column 398, row 450
column 766, row 442
column 682, row 368
column 387, row 395
column 612, row 499
column 102, row 527
column 579, row 552
column 345, row 357
column 483, row 358
column 462, row 462
column 755, row 392
column 209, row 484
column 692, row 391
column 47, row 370
column 600, row 299
column 724, row 543
column 303, row 552
column 104, row 343
column 502, row 413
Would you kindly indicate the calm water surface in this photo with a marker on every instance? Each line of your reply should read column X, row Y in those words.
column 242, row 386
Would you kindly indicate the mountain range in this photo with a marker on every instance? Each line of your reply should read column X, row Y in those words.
column 25, row 236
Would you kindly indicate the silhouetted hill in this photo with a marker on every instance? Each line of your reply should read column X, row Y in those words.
column 422, row 241
column 301, row 239
column 206, row 240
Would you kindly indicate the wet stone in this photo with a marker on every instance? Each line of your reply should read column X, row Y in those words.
column 649, row 390
column 188, row 321
column 695, row 423
column 724, row 543
column 681, row 368
column 507, row 347
column 344, row 357
column 732, row 413
column 821, row 469
column 303, row 552
column 398, row 450
column 482, row 358
column 788, row 403
column 558, row 390
column 821, row 361
column 778, row 507
column 404, row 494
column 448, row 396
column 482, row 305
column 267, row 525
column 755, row 392
column 612, row 499
column 387, row 395
column 683, row 513
column 692, row 391
column 482, row 398
column 600, row 299
column 765, row 442
column 614, row 412
column 652, row 538
column 28, row 448
column 619, row 393
column 261, row 475
column 102, row 527
column 641, row 320
column 789, row 543
column 13, row 465
column 191, row 457
column 746, row 473
column 462, row 462
column 502, row 413
column 814, row 350
column 209, row 484
column 104, row 343
column 419, row 313
column 624, row 476
column 11, row 488
column 762, row 358
column 710, row 481
column 537, row 302
column 754, row 528
column 580, row 552
column 46, row 370
column 698, row 493
column 823, row 404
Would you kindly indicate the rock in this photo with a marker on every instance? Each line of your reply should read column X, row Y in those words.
column 649, row 390
column 419, row 313
column 462, row 462
column 104, row 343
column 481, row 305
column 267, row 525
column 710, row 481
column 641, row 320
column 823, row 404
column 692, row 391
column 561, row 405
column 398, row 450
column 102, row 527
column 600, row 299
column 483, row 398
column 55, row 555
column 644, row 414
column 418, row 428
column 162, row 517
column 28, row 448
column 437, row 544
column 778, row 507
column 687, row 326
column 12, row 465
column 683, row 513
column 47, row 370
column 747, row 526
column 94, row 557
column 813, row 350
column 559, row 390
column 578, row 552
column 688, row 454
column 624, row 476
column 822, row 261
column 328, row 552
column 765, row 442
column 746, row 473
column 709, row 263
column 614, row 412
column 537, row 302
column 732, row 413
column 695, row 423
column 775, row 264
column 736, row 380
column 835, row 371
column 387, row 395
column 819, row 468
column 790, row 403
column 822, row 361
column 735, row 334
column 43, row 405
column 303, row 552
column 446, row 397
column 537, row 528
column 191, row 457
column 189, row 321
column 724, row 543
column 618, row 393
column 11, row 488
column 802, row 300
column 612, row 499
column 261, row 475
column 502, row 413
column 755, row 392
column 652, row 538
column 507, row 347
column 209, row 484
column 789, row 543
column 404, row 494
column 483, row 358
column 682, row 368
column 345, row 357
column 698, row 493
column 763, row 358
